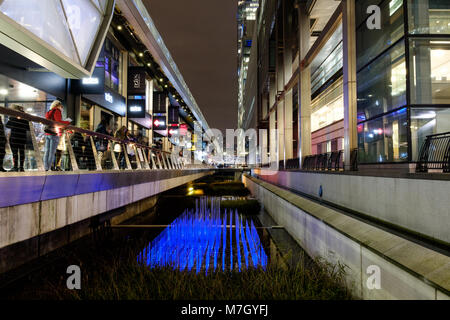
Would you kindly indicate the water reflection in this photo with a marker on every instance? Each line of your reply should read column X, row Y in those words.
column 206, row 238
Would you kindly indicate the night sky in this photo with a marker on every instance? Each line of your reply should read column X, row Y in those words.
column 201, row 35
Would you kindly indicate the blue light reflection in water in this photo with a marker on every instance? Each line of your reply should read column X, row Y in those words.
column 197, row 238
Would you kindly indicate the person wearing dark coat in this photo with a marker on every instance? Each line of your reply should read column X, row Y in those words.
column 2, row 145
column 18, row 139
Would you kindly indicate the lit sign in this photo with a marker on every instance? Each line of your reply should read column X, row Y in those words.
column 173, row 131
column 159, row 123
column 109, row 97
column 135, row 109
column 90, row 81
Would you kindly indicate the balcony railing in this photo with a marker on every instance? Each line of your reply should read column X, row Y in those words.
column 435, row 154
column 22, row 148
column 332, row 161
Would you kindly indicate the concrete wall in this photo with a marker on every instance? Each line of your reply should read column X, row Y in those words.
column 32, row 220
column 325, row 233
column 419, row 205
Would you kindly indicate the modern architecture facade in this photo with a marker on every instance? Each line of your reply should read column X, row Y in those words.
column 90, row 65
column 329, row 81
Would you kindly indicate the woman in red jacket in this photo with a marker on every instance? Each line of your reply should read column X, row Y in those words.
column 53, row 135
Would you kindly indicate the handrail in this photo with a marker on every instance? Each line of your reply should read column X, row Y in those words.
column 435, row 153
column 82, row 151
column 331, row 161
column 29, row 117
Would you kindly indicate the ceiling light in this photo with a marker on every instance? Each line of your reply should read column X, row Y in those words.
column 3, row 92
column 141, row 54
column 161, row 79
column 149, row 64
column 119, row 27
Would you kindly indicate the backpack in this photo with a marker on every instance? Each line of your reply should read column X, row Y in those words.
column 50, row 129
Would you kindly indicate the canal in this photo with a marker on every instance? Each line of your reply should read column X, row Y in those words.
column 208, row 239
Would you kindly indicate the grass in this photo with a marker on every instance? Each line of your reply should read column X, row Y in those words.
column 112, row 272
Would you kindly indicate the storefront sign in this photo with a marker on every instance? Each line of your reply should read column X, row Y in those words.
column 159, row 123
column 136, row 108
column 92, row 85
column 183, row 129
column 159, row 102
column 173, row 115
column 136, row 81
column 109, row 100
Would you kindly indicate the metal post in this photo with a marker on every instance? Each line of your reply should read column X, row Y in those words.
column 172, row 157
column 98, row 165
column 113, row 156
column 37, row 152
column 169, row 165
column 142, row 154
column 153, row 160
column 73, row 160
column 137, row 155
column 125, row 153
column 158, row 157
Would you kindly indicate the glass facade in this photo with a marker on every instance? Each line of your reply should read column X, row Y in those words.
column 328, row 61
column 428, row 17
column 70, row 26
column 328, row 108
column 381, row 85
column 370, row 43
column 403, row 79
column 427, row 121
column 429, row 71
column 384, row 139
column 113, row 63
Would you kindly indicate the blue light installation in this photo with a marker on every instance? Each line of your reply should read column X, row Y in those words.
column 198, row 237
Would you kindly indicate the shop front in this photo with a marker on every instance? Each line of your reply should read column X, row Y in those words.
column 327, row 120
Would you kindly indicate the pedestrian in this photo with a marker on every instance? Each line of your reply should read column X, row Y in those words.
column 2, row 145
column 53, row 134
column 102, row 144
column 18, row 138
column 121, row 134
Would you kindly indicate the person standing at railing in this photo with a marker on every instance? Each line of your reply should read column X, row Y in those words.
column 2, row 145
column 121, row 134
column 18, row 139
column 53, row 134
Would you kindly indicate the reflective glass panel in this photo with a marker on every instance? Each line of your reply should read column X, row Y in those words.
column 384, row 139
column 44, row 18
column 429, row 16
column 371, row 42
column 381, row 85
column 430, row 71
column 425, row 122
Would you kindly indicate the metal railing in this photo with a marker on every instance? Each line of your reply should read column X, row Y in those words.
column 435, row 153
column 332, row 161
column 23, row 148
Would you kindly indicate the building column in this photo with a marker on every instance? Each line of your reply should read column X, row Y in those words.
column 281, row 130
column 288, row 136
column 304, row 86
column 273, row 138
column 263, row 146
column 349, row 70
column 287, row 54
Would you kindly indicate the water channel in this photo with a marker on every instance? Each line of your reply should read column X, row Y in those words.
column 207, row 229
